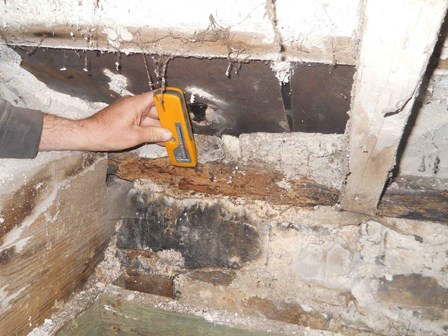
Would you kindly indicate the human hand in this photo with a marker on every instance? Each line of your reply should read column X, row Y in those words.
column 128, row 122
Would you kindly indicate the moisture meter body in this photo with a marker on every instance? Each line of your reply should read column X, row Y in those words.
column 173, row 115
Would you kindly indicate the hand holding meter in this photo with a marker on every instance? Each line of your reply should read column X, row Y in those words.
column 173, row 115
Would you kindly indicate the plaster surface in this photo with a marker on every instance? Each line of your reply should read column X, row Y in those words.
column 426, row 152
column 21, row 88
column 323, row 26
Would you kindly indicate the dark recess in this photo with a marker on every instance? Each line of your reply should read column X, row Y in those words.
column 198, row 110
column 320, row 97
column 316, row 99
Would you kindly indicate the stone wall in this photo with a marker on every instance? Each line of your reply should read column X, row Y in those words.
column 316, row 267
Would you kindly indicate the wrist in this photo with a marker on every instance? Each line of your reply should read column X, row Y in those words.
column 85, row 135
column 63, row 134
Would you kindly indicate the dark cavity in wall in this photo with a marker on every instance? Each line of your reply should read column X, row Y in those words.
column 316, row 99
column 320, row 97
column 205, row 235
column 136, row 280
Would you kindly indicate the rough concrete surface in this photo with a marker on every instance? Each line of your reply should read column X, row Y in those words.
column 426, row 152
column 320, row 157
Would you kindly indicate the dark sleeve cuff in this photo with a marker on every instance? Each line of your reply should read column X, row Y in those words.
column 20, row 131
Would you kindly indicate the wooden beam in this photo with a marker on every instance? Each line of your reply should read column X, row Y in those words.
column 420, row 198
column 398, row 38
column 411, row 197
column 225, row 180
column 52, row 234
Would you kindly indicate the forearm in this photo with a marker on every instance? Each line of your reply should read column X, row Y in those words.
column 64, row 134
column 129, row 122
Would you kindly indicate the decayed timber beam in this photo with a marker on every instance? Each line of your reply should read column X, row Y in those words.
column 411, row 197
column 398, row 38
column 220, row 179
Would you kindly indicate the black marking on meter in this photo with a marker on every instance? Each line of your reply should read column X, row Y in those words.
column 181, row 152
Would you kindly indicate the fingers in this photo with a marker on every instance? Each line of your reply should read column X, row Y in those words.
column 147, row 108
column 155, row 134
column 153, row 113
column 147, row 122
column 147, row 99
column 143, row 103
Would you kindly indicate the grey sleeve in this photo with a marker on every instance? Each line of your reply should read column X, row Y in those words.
column 20, row 131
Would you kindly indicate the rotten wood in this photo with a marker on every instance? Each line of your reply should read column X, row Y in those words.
column 394, row 54
column 408, row 199
column 226, row 180
column 416, row 198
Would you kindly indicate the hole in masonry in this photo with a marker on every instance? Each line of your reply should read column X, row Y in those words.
column 139, row 281
column 198, row 110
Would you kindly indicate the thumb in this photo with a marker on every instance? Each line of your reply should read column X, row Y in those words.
column 155, row 134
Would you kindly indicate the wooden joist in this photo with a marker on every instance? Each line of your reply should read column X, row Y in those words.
column 225, row 180
column 51, row 244
column 416, row 198
column 398, row 38
column 410, row 198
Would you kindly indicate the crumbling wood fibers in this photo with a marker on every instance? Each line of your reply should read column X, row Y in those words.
column 226, row 180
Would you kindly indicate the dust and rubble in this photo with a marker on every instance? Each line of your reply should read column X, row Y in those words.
column 110, row 268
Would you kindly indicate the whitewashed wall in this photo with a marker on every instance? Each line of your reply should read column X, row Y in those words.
column 311, row 29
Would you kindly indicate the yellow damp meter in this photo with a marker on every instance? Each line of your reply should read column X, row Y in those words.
column 173, row 115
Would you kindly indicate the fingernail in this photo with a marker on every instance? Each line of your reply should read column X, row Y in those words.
column 166, row 135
